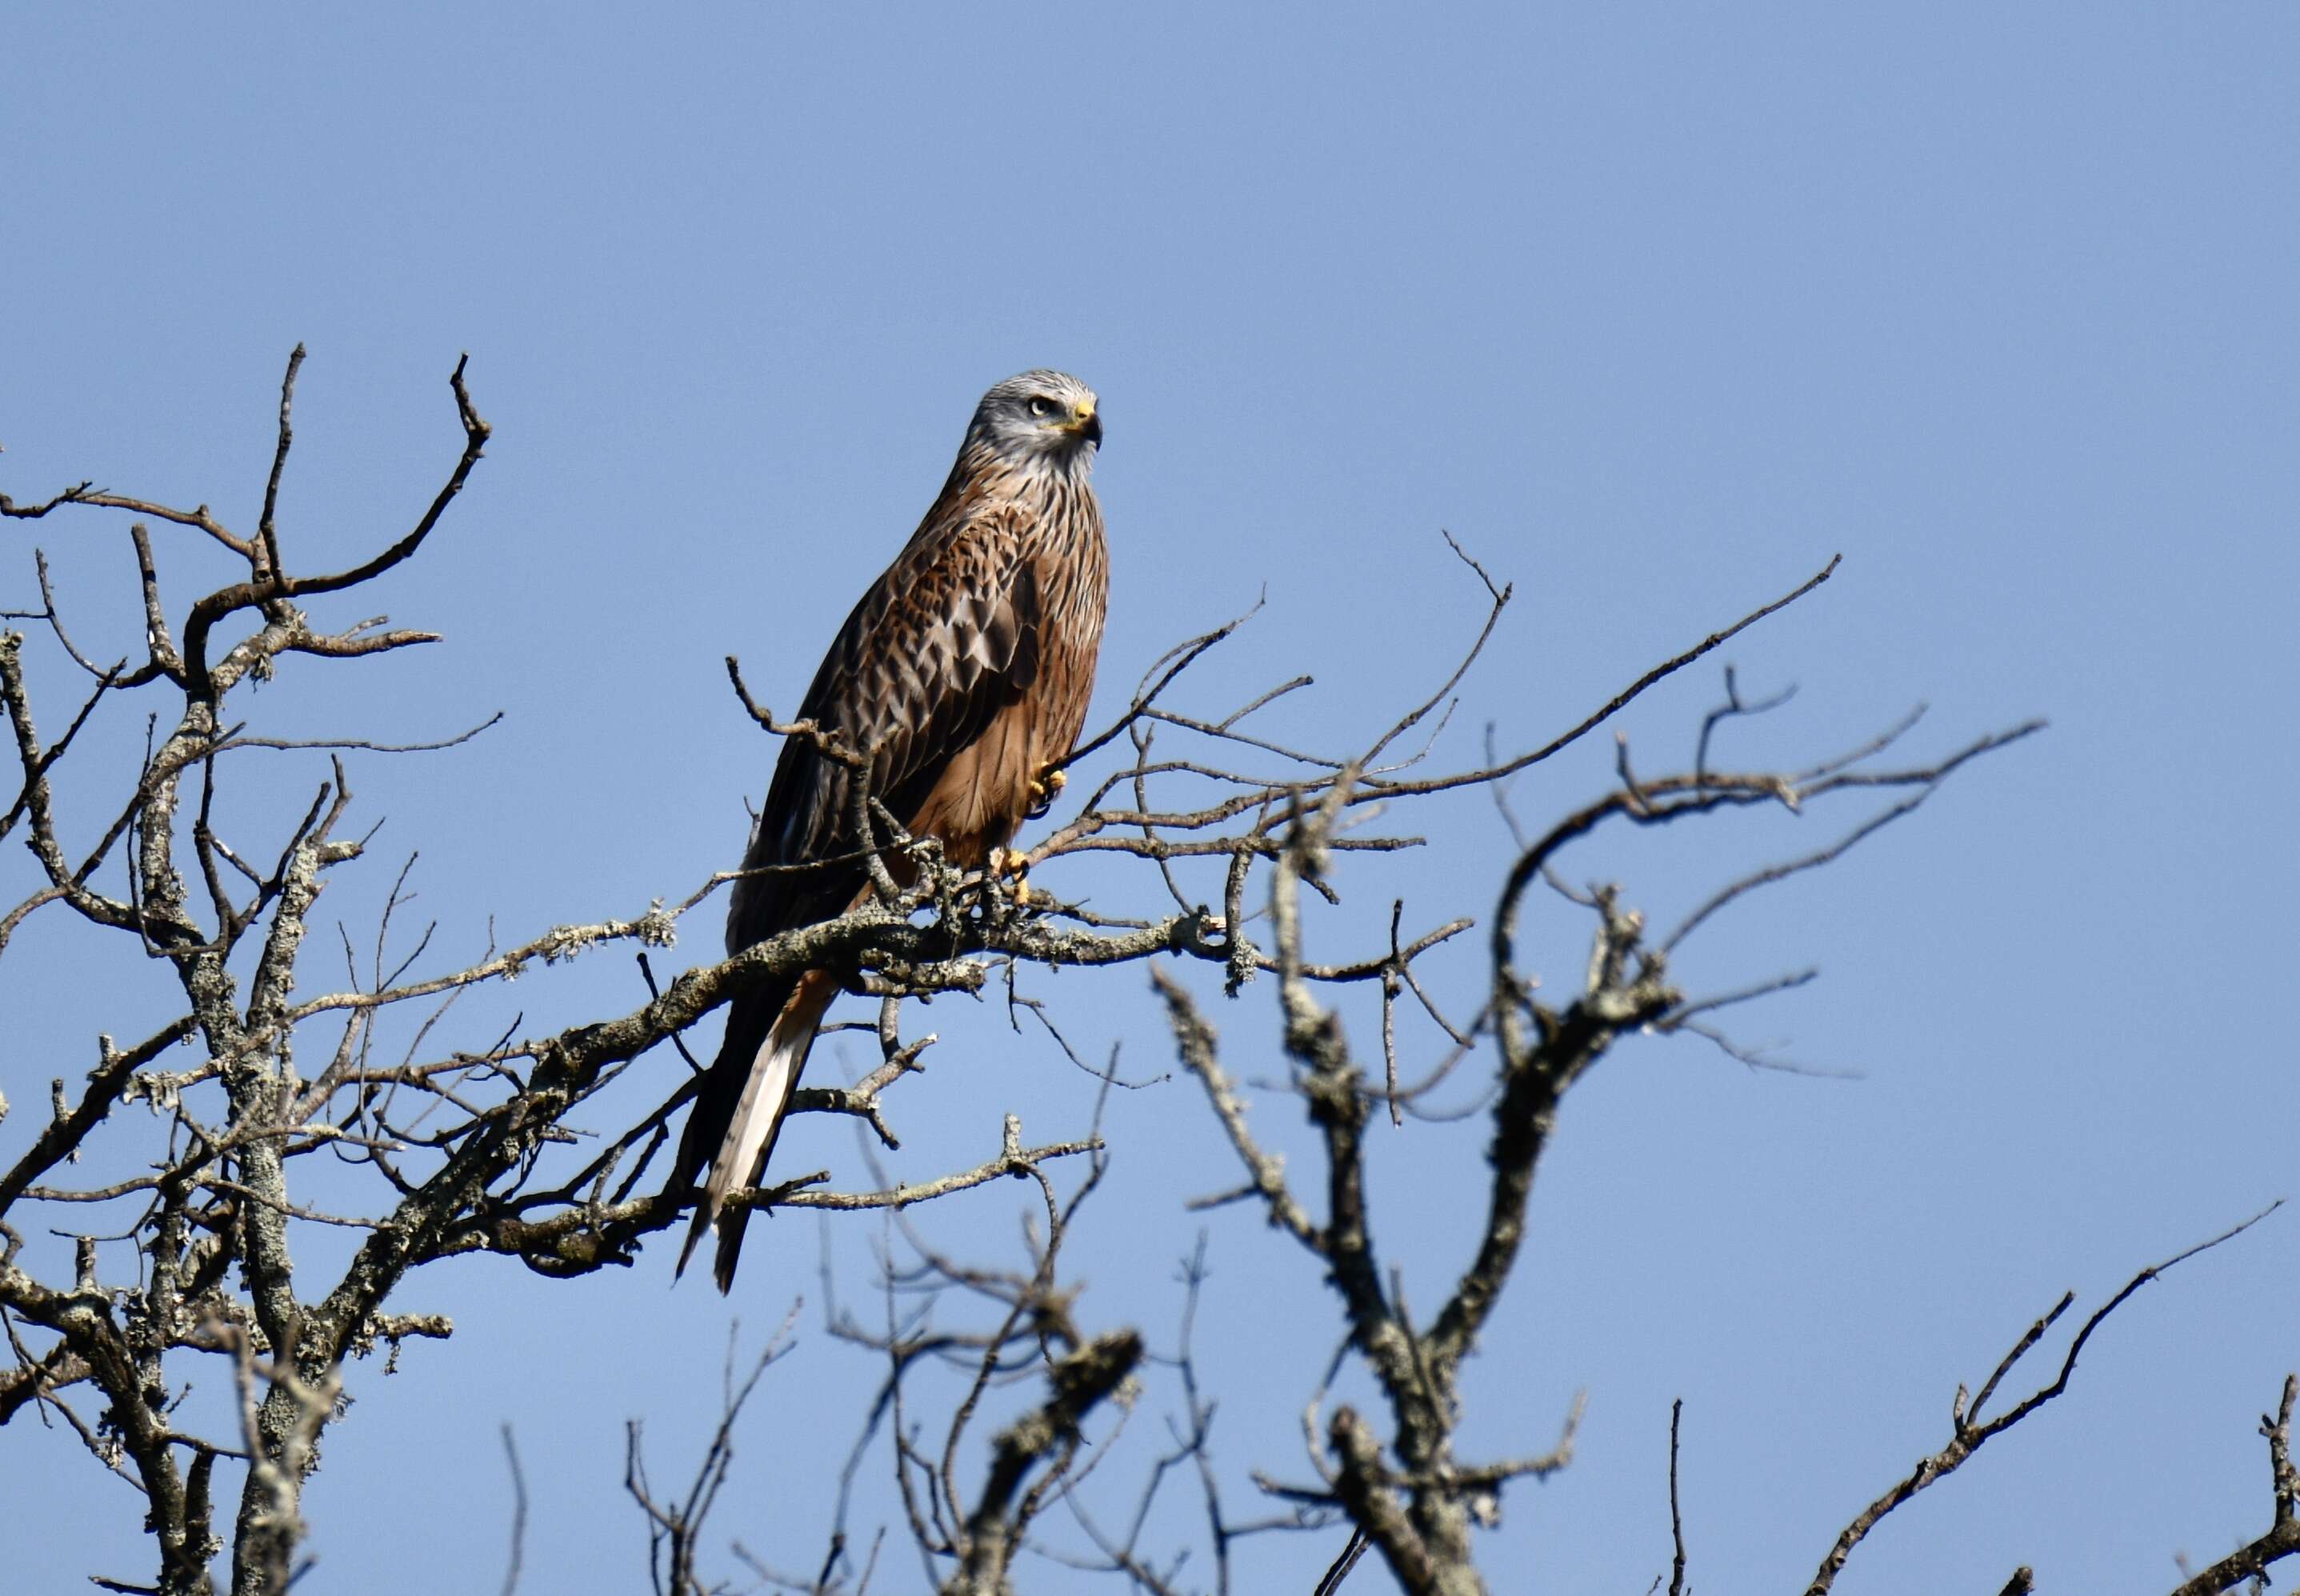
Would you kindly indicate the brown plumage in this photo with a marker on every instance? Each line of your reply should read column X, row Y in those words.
column 966, row 669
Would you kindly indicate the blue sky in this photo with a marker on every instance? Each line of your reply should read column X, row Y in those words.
column 1654, row 309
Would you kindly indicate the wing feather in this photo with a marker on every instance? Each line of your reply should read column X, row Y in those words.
column 947, row 636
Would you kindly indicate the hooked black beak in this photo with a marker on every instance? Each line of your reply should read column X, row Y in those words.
column 1090, row 430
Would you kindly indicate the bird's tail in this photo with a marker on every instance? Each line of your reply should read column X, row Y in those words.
column 765, row 1056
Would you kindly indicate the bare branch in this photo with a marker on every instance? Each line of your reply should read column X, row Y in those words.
column 2282, row 1539
column 266, row 532
column 1969, row 1433
column 1675, row 1520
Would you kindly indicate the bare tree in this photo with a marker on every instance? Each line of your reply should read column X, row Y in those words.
column 994, row 1413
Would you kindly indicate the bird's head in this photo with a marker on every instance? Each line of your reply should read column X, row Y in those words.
column 1039, row 418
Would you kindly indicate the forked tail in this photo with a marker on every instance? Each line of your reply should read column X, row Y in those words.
column 771, row 1065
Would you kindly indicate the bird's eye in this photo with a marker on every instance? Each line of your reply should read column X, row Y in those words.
column 1042, row 407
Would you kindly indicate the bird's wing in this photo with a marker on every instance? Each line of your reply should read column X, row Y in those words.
column 949, row 635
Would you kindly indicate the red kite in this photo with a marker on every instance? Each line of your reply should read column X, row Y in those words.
column 964, row 674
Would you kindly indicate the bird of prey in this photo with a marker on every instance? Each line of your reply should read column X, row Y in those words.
column 963, row 676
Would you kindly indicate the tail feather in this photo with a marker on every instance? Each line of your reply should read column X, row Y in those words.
column 769, row 1055
column 749, row 1018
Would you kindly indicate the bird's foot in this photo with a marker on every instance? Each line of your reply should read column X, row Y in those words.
column 1044, row 790
column 1007, row 862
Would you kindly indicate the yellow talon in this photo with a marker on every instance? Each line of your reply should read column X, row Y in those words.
column 1044, row 791
column 1006, row 861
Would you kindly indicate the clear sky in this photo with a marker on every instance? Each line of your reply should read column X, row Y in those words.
column 1654, row 308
